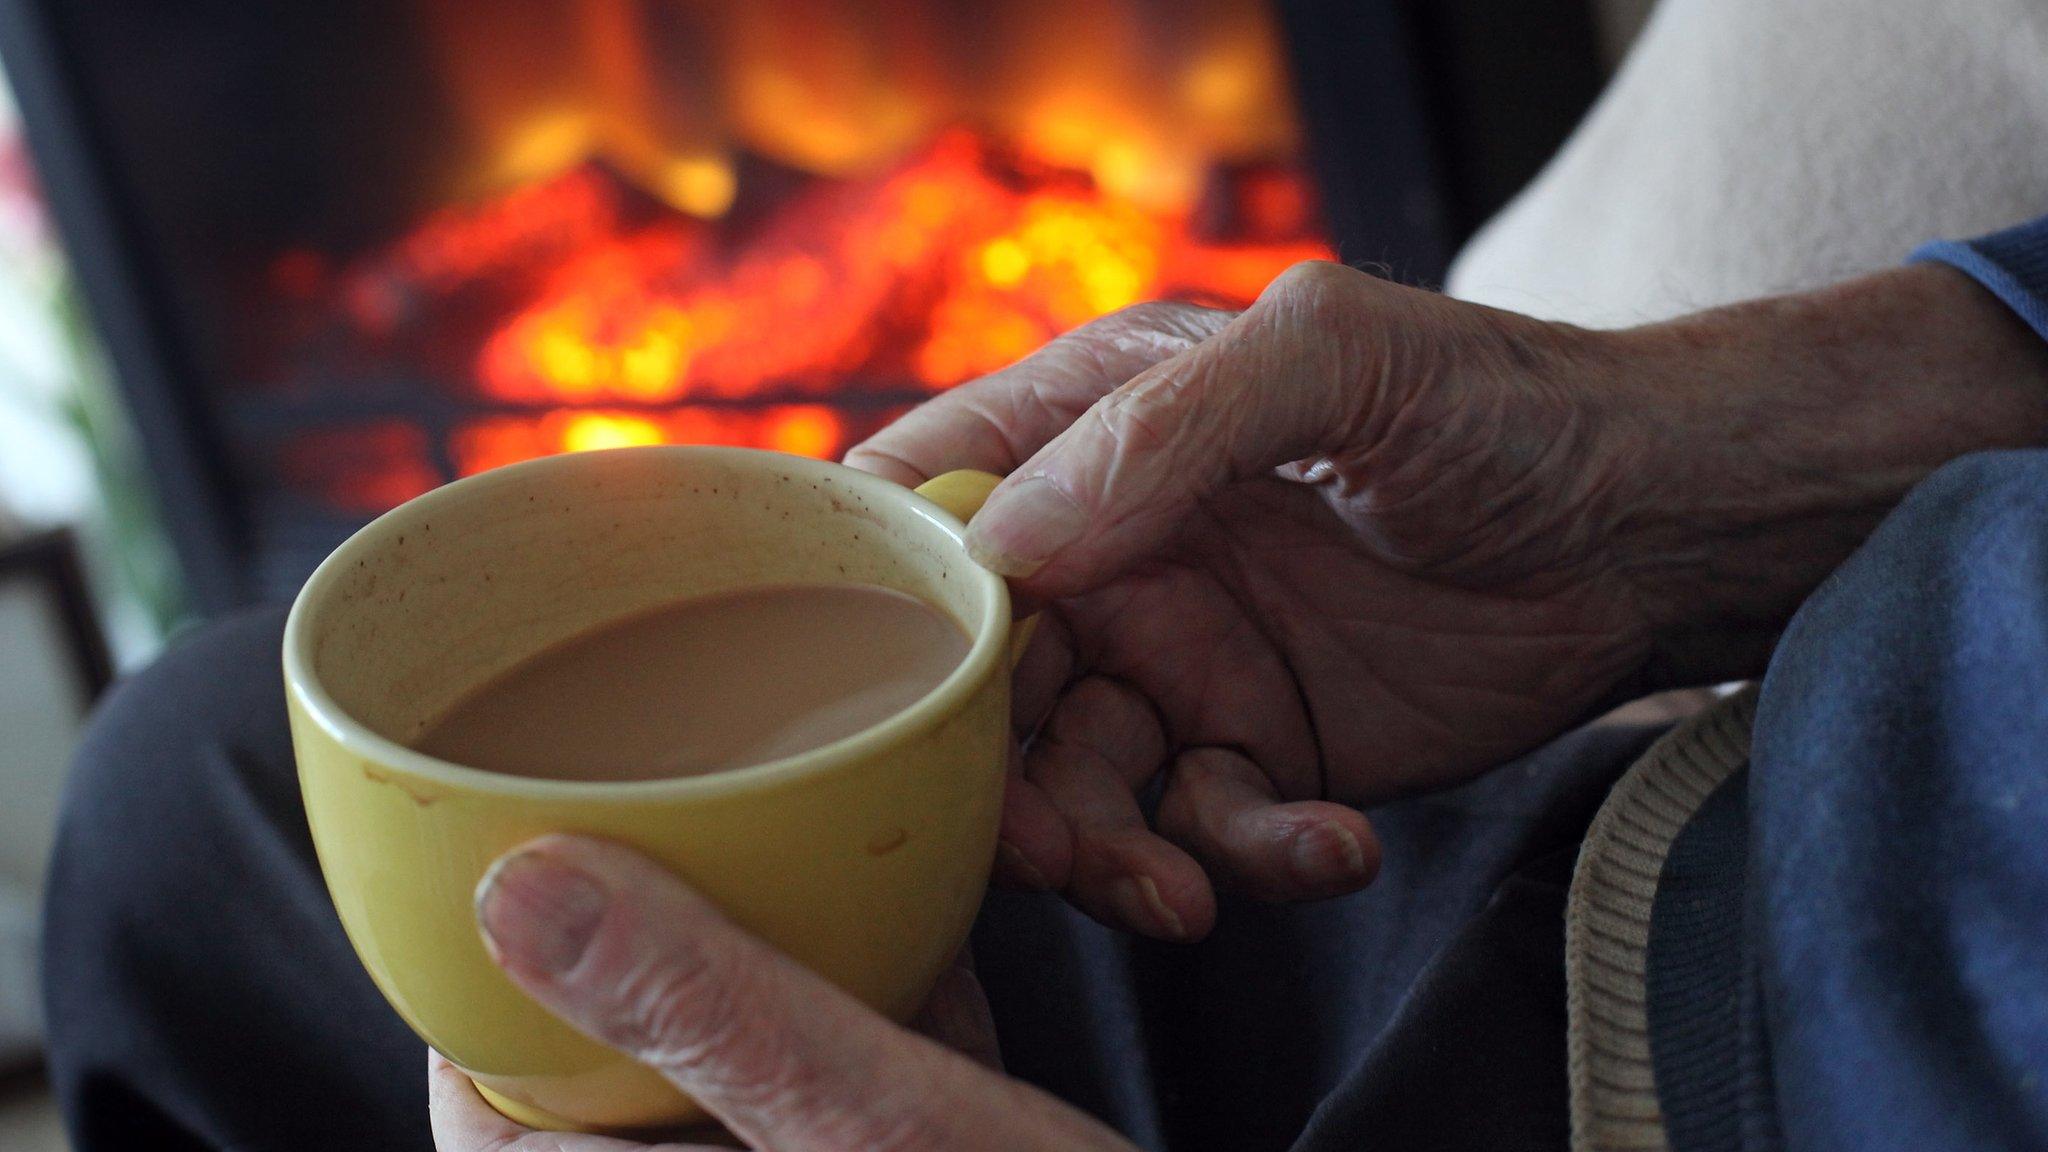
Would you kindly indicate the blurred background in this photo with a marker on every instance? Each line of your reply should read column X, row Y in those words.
column 267, row 271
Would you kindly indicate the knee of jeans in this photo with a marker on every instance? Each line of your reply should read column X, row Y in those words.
column 173, row 742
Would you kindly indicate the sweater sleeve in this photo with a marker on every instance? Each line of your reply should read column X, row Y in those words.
column 2012, row 265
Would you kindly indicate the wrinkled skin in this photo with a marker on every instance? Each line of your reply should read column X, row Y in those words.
column 1311, row 570
column 617, row 947
column 1355, row 542
column 1361, row 540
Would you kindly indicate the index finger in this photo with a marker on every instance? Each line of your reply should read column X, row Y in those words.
column 1001, row 420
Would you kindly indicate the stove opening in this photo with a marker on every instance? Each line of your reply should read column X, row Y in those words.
column 768, row 224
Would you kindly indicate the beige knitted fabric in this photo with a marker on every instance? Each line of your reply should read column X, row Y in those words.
column 1607, row 923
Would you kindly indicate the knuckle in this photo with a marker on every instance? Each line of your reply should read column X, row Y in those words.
column 1111, row 719
column 1318, row 293
column 1048, row 405
column 680, row 1010
column 1166, row 316
column 1142, row 416
column 701, row 1022
column 1159, row 328
column 1316, row 279
column 1129, row 428
column 1151, row 313
column 759, row 1072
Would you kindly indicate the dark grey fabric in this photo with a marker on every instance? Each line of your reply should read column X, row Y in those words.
column 201, row 993
column 1694, row 975
column 199, row 990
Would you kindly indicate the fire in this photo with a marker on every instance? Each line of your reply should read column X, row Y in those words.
column 779, row 223
column 804, row 430
column 590, row 431
column 964, row 259
column 801, row 429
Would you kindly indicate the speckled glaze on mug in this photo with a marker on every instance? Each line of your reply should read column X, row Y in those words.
column 864, row 859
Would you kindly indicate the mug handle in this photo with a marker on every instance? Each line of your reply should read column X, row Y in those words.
column 962, row 493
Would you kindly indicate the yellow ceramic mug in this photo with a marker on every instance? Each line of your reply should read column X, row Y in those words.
column 864, row 859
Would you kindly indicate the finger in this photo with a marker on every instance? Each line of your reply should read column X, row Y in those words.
column 957, row 1015
column 1041, row 674
column 1153, row 627
column 1295, row 375
column 462, row 1121
column 1106, row 723
column 1221, row 807
column 1034, row 848
column 622, row 951
column 998, row 421
column 1100, row 745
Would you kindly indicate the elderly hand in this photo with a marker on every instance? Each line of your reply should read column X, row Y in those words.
column 616, row 946
column 1362, row 540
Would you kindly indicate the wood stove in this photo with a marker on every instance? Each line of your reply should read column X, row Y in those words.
column 342, row 253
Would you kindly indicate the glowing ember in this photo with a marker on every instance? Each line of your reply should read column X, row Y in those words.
column 735, row 222
column 613, row 320
column 802, row 429
column 962, row 260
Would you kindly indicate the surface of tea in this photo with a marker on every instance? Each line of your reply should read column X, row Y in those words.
column 705, row 685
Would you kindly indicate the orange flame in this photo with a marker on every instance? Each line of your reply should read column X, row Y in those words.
column 800, row 429
column 965, row 262
column 781, row 243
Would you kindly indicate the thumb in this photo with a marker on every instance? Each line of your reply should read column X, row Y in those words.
column 615, row 946
column 1289, row 378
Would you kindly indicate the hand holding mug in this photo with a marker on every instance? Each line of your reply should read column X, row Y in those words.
column 1361, row 541
column 627, row 955
column 1272, row 576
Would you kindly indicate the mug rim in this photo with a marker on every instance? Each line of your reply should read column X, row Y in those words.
column 990, row 643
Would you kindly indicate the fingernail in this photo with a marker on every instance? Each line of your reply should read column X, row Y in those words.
column 1023, row 530
column 1018, row 867
column 1326, row 852
column 538, row 912
column 1137, row 899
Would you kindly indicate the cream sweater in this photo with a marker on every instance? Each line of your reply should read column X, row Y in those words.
column 1748, row 147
